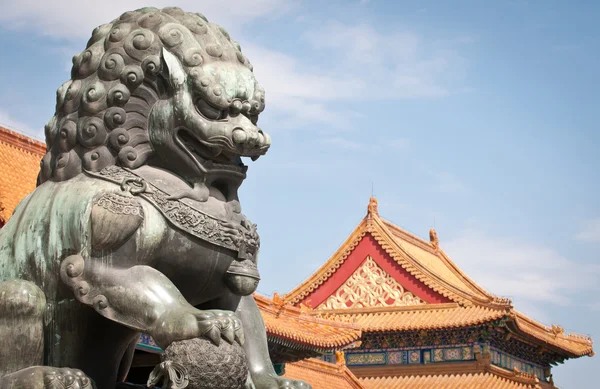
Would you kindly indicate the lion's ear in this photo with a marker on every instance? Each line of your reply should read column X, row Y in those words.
column 176, row 74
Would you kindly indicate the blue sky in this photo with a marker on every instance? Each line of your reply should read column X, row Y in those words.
column 478, row 117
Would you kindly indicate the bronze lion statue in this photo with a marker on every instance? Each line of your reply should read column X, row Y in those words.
column 135, row 225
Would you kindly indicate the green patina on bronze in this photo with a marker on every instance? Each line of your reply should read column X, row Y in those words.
column 136, row 225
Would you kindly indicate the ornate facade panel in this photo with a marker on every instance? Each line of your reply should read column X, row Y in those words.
column 370, row 286
column 359, row 359
column 438, row 354
column 510, row 362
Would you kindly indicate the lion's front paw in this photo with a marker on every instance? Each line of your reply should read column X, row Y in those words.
column 275, row 382
column 45, row 377
column 286, row 383
column 189, row 323
column 214, row 324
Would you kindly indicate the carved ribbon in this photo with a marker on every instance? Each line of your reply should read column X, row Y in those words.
column 242, row 239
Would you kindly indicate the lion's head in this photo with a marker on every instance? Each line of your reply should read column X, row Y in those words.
column 161, row 87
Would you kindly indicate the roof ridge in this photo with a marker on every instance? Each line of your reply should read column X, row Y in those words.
column 388, row 309
column 469, row 281
column 492, row 300
column 325, row 271
column 19, row 140
column 425, row 244
column 416, row 268
column 436, row 250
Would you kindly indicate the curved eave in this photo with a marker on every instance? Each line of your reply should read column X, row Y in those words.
column 416, row 318
column 321, row 374
column 570, row 345
column 291, row 327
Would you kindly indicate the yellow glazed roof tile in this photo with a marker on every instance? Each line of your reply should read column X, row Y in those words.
column 19, row 166
column 438, row 316
column 426, row 255
column 293, row 324
column 322, row 375
column 448, row 381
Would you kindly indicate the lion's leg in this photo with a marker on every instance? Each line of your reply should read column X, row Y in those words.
column 22, row 309
column 255, row 335
column 144, row 299
column 261, row 369
column 103, row 348
column 127, row 360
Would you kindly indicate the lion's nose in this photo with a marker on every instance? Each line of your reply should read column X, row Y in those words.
column 239, row 136
column 250, row 138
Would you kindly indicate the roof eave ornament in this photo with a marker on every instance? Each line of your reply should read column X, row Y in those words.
column 372, row 208
column 433, row 239
column 340, row 358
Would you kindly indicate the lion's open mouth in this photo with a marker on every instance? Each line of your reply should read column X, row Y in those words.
column 223, row 172
column 206, row 154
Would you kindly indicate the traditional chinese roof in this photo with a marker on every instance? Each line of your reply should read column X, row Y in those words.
column 422, row 288
column 19, row 166
column 295, row 331
column 574, row 344
column 322, row 375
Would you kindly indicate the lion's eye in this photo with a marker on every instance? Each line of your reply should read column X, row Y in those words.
column 208, row 111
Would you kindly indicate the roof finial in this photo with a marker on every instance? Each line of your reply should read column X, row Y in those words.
column 433, row 239
column 340, row 358
column 372, row 208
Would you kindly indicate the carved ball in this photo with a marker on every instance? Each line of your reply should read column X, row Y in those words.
column 210, row 366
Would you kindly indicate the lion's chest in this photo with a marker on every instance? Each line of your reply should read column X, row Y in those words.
column 197, row 268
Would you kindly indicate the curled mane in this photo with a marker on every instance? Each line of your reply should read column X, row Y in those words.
column 102, row 113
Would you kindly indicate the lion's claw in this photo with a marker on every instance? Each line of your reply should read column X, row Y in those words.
column 213, row 334
column 275, row 382
column 216, row 324
column 287, row 383
column 188, row 323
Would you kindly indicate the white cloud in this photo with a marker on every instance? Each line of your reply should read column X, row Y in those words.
column 367, row 64
column 590, row 231
column 398, row 64
column 302, row 94
column 6, row 120
column 530, row 274
column 74, row 20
